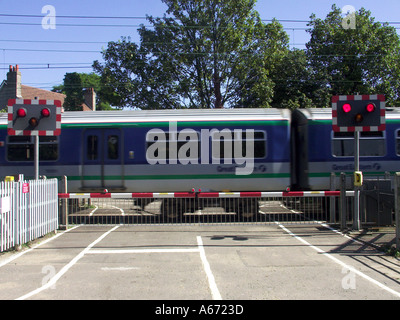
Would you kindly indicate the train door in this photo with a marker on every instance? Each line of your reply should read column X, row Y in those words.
column 103, row 161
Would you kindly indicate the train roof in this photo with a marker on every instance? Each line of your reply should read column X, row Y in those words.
column 175, row 115
column 138, row 116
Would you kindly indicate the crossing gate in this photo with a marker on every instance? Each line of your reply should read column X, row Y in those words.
column 203, row 207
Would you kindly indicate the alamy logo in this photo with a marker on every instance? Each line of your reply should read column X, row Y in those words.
column 349, row 20
column 49, row 20
column 188, row 146
column 349, row 280
column 49, row 272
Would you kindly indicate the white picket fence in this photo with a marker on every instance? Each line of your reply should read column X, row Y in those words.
column 28, row 210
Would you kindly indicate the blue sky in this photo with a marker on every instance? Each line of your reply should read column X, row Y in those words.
column 35, row 49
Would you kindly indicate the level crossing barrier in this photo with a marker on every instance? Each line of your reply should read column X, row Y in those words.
column 204, row 207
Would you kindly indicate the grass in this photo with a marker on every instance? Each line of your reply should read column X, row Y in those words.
column 391, row 250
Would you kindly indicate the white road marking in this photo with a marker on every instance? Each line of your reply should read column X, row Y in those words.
column 15, row 256
column 54, row 279
column 126, row 251
column 119, row 268
column 200, row 249
column 122, row 211
column 211, row 280
column 350, row 268
column 93, row 211
column 340, row 233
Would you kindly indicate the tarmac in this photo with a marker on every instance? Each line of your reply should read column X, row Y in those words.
column 380, row 238
column 204, row 262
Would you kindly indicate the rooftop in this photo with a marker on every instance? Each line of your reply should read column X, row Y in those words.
column 32, row 93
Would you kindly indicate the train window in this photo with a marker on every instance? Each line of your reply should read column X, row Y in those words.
column 372, row 144
column 112, row 142
column 92, row 147
column 21, row 148
column 224, row 143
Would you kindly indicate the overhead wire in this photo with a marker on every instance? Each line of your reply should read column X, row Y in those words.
column 113, row 25
column 138, row 17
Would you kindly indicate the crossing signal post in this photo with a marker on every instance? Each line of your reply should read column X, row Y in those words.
column 34, row 118
column 358, row 113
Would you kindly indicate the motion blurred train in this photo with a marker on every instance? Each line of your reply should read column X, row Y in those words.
column 211, row 150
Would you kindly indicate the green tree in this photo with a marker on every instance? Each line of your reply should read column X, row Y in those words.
column 74, row 86
column 294, row 86
column 73, row 89
column 202, row 54
column 124, row 77
column 363, row 58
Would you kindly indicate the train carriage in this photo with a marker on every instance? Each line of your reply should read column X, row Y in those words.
column 160, row 151
column 178, row 150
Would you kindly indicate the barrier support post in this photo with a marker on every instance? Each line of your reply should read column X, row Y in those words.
column 343, row 208
column 397, row 207
column 332, row 200
column 356, row 213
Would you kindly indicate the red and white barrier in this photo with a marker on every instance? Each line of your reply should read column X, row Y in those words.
column 126, row 195
column 270, row 194
column 249, row 194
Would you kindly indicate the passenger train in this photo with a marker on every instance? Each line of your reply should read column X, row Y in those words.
column 212, row 150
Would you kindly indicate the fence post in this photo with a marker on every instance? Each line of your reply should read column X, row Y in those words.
column 343, row 207
column 16, row 190
column 64, row 206
column 397, row 207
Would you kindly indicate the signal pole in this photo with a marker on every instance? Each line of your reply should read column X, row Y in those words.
column 358, row 113
column 36, row 138
column 356, row 219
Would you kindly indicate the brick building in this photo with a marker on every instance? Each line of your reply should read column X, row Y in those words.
column 12, row 88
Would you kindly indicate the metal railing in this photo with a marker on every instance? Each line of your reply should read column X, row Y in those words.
column 28, row 210
column 204, row 207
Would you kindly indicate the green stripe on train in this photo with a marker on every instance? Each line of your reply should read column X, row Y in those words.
column 179, row 124
column 182, row 124
column 182, row 177
column 327, row 174
column 190, row 123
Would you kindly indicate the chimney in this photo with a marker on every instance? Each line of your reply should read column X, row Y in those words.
column 90, row 98
column 14, row 82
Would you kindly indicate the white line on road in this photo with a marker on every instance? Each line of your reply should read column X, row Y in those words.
column 93, row 211
column 119, row 268
column 13, row 257
column 200, row 249
column 211, row 280
column 122, row 211
column 348, row 267
column 54, row 279
column 126, row 251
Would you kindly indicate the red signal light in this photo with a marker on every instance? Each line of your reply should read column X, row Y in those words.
column 370, row 107
column 21, row 113
column 45, row 112
column 346, row 107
